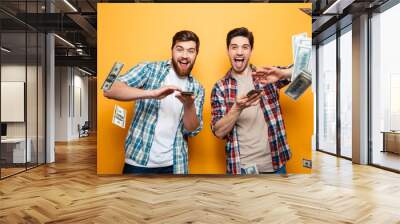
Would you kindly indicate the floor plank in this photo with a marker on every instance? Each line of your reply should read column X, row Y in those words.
column 69, row 191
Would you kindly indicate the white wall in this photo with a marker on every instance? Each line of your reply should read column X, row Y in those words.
column 385, row 69
column 61, row 103
column 71, row 94
column 80, row 85
column 34, row 124
column 16, row 73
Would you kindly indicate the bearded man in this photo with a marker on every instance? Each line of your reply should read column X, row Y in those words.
column 169, row 104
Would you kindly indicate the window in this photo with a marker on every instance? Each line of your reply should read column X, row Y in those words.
column 346, row 74
column 22, row 65
column 385, row 88
column 327, row 96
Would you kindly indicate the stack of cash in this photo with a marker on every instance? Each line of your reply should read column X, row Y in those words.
column 112, row 76
column 301, row 78
column 299, row 85
column 302, row 49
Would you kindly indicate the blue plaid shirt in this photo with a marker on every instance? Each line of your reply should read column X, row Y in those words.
column 141, row 132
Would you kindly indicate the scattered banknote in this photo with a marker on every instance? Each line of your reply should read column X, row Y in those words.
column 302, row 50
column 251, row 169
column 112, row 76
column 301, row 73
column 119, row 116
column 302, row 59
column 299, row 85
column 296, row 42
column 305, row 41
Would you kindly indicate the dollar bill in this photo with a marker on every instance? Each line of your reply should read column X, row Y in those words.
column 250, row 169
column 296, row 42
column 299, row 85
column 302, row 59
column 119, row 116
column 299, row 42
column 307, row 42
column 112, row 76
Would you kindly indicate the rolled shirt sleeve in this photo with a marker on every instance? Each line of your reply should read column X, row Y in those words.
column 218, row 106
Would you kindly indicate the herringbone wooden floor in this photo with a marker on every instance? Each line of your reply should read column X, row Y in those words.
column 69, row 191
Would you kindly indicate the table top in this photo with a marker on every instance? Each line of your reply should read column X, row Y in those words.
column 391, row 132
column 13, row 140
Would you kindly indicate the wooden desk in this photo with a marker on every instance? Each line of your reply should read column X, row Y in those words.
column 391, row 141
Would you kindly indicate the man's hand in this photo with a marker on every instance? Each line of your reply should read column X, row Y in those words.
column 163, row 92
column 268, row 74
column 225, row 124
column 247, row 101
column 187, row 101
column 190, row 120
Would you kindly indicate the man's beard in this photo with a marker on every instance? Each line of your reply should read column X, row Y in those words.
column 180, row 72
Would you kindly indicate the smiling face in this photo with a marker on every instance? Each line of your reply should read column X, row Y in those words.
column 184, row 55
column 239, row 51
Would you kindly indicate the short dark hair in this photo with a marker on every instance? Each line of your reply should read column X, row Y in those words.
column 243, row 32
column 186, row 35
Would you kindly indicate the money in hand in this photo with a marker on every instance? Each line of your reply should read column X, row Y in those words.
column 112, row 76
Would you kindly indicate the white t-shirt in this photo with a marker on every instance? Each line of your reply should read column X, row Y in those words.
column 161, row 152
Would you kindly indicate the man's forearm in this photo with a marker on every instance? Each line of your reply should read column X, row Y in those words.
column 120, row 91
column 226, row 123
column 190, row 120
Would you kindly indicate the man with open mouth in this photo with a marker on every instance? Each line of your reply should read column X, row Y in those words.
column 169, row 105
column 246, row 111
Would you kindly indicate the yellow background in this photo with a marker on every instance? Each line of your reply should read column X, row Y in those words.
column 133, row 33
